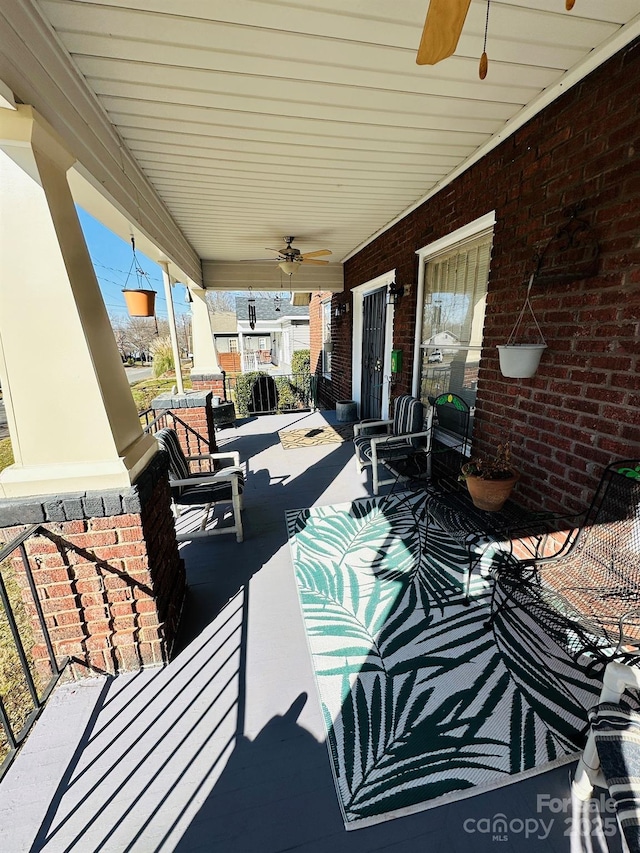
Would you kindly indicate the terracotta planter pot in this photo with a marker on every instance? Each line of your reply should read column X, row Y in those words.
column 490, row 495
column 140, row 303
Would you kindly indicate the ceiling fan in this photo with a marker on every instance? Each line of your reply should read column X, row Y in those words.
column 442, row 28
column 290, row 258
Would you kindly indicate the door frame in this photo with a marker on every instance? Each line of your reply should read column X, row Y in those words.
column 359, row 294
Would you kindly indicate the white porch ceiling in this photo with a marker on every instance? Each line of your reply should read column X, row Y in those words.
column 253, row 119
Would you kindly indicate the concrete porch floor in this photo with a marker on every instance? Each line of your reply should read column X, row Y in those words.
column 223, row 749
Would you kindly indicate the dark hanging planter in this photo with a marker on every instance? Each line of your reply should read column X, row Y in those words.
column 141, row 300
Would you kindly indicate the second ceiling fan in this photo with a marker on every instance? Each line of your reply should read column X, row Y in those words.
column 290, row 258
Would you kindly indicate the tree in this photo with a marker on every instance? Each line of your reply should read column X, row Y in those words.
column 119, row 326
column 220, row 301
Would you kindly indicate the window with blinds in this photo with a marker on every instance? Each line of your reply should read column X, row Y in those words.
column 453, row 318
column 326, row 338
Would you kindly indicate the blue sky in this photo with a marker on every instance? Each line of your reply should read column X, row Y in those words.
column 112, row 259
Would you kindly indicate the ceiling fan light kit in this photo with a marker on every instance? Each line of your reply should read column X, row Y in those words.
column 289, row 267
column 291, row 259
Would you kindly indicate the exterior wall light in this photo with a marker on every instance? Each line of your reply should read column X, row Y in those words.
column 394, row 293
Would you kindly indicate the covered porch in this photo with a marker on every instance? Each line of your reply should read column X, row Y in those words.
column 224, row 748
column 187, row 133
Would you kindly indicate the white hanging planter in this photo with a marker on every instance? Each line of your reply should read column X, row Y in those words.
column 521, row 360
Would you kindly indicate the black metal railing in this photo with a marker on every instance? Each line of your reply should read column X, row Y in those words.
column 25, row 689
column 262, row 393
column 194, row 442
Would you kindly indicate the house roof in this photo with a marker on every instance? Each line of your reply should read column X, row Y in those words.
column 239, row 123
column 265, row 309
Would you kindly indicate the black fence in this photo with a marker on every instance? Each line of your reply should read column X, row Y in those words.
column 262, row 393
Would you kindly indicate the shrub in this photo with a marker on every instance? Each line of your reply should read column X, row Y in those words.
column 289, row 396
column 162, row 353
column 244, row 384
column 301, row 362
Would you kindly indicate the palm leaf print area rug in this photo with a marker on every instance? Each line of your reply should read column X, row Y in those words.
column 423, row 703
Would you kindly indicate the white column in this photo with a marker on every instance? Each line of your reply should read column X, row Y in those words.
column 241, row 348
column 72, row 419
column 173, row 332
column 205, row 357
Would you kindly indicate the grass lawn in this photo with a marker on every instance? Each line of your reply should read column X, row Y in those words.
column 6, row 453
column 146, row 390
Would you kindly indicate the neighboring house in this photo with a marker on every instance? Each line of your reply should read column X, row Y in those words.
column 280, row 330
column 225, row 333
column 442, row 340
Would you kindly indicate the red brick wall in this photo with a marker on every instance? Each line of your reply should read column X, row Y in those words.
column 111, row 588
column 200, row 419
column 581, row 409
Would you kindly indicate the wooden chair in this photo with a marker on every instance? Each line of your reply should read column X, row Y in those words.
column 224, row 485
column 403, row 435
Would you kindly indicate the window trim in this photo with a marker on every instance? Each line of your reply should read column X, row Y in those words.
column 326, row 326
column 471, row 231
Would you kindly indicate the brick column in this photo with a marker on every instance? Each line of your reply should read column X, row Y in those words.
column 194, row 409
column 108, row 573
column 213, row 382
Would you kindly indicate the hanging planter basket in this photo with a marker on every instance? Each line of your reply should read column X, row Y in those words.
column 141, row 300
column 140, row 303
column 521, row 360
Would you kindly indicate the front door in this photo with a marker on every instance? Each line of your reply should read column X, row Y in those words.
column 373, row 339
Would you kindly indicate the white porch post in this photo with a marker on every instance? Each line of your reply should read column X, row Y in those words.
column 205, row 357
column 241, row 348
column 72, row 418
column 173, row 332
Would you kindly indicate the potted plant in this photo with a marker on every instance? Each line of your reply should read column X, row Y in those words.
column 140, row 300
column 490, row 479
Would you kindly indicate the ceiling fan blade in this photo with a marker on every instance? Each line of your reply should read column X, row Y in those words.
column 313, row 261
column 442, row 28
column 277, row 251
column 316, row 254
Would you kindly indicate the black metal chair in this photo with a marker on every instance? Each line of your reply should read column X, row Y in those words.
column 592, row 585
column 451, row 438
column 224, row 485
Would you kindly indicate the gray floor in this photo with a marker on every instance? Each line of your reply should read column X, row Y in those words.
column 223, row 749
